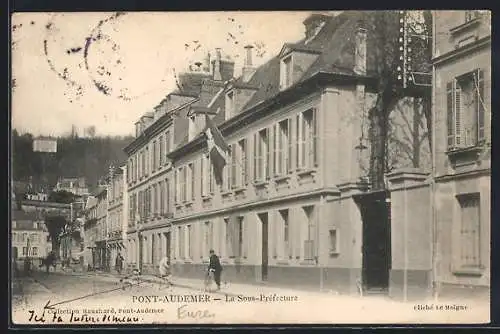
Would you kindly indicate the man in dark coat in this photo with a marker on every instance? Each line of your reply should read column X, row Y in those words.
column 215, row 267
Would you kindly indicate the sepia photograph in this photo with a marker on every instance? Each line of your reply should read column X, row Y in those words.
column 243, row 167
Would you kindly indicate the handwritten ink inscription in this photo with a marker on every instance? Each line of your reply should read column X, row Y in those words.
column 77, row 318
column 183, row 312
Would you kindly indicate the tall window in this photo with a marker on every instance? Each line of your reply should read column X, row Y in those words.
column 470, row 234
column 226, row 172
column 154, row 157
column 208, row 237
column 227, row 230
column 307, row 139
column 146, row 162
column 261, row 162
column 167, row 195
column 466, row 110
column 180, row 242
column 190, row 181
column 333, row 236
column 287, row 249
column 309, row 244
column 281, row 157
column 240, row 230
column 242, row 166
column 189, row 242
column 205, row 175
column 234, row 166
column 161, row 185
column 34, row 251
column 153, row 198
column 162, row 151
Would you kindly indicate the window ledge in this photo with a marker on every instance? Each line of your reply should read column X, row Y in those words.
column 307, row 262
column 305, row 172
column 468, row 271
column 281, row 178
column 465, row 26
column 260, row 184
column 206, row 197
column 239, row 189
column 226, row 193
column 464, row 154
column 334, row 253
column 283, row 262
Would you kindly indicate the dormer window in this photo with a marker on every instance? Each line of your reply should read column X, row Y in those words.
column 230, row 104
column 286, row 72
column 192, row 127
column 471, row 15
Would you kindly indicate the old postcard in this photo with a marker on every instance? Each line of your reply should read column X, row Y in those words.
column 250, row 167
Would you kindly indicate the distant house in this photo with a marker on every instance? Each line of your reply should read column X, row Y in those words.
column 29, row 235
column 77, row 186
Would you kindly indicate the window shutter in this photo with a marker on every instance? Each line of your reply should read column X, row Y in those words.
column 276, row 153
column 234, row 158
column 458, row 114
column 449, row 114
column 268, row 153
column 480, row 104
column 297, row 139
column 245, row 161
column 289, row 144
column 255, row 155
column 315, row 141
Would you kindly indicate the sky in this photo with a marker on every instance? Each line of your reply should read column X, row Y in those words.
column 107, row 70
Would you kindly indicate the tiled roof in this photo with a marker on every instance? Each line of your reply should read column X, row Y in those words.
column 190, row 83
column 335, row 45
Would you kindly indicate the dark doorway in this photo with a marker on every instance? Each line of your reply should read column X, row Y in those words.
column 14, row 253
column 167, row 244
column 265, row 248
column 375, row 208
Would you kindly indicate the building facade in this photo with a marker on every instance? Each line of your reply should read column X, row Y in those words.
column 288, row 209
column 29, row 236
column 462, row 175
column 117, row 212
column 102, row 258
column 77, row 186
column 90, row 233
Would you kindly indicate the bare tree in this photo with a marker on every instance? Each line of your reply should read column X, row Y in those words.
column 384, row 26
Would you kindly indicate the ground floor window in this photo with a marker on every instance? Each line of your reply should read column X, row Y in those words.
column 469, row 236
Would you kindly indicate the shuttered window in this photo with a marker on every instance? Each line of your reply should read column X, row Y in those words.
column 465, row 110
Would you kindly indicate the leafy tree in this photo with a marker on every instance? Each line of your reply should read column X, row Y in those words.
column 55, row 225
column 61, row 196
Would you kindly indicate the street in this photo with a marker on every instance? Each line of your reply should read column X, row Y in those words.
column 97, row 299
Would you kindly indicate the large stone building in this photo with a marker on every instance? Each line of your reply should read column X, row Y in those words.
column 288, row 209
column 462, row 132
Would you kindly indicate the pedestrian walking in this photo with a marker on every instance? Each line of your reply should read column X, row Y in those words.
column 164, row 269
column 119, row 263
column 215, row 267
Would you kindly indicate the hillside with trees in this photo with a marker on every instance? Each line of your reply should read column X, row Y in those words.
column 88, row 157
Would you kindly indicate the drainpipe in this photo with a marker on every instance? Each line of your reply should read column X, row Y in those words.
column 405, row 272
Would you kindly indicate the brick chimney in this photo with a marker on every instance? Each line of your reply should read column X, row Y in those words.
column 313, row 22
column 360, row 51
column 248, row 68
column 217, row 72
column 206, row 65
